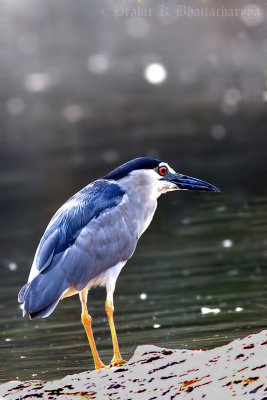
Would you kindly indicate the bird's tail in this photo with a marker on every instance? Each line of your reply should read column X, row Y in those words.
column 41, row 296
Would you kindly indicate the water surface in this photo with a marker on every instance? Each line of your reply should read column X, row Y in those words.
column 213, row 256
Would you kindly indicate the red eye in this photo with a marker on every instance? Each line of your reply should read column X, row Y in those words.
column 162, row 170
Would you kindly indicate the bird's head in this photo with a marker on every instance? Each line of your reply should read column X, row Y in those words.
column 146, row 171
column 171, row 180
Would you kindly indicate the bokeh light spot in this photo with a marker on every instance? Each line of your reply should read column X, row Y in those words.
column 252, row 15
column 155, row 73
column 227, row 243
column 98, row 64
column 73, row 112
column 37, row 82
column 218, row 132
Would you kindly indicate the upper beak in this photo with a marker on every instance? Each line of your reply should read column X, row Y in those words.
column 188, row 183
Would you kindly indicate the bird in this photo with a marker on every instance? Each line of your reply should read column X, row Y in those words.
column 92, row 236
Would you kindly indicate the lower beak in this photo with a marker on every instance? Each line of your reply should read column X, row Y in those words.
column 184, row 182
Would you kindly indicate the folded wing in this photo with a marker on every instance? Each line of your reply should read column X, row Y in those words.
column 89, row 234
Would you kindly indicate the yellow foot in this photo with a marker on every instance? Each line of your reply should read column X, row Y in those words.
column 100, row 365
column 116, row 362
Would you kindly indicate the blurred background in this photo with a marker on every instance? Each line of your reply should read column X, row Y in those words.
column 86, row 85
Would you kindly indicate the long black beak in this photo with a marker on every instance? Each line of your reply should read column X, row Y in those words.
column 184, row 182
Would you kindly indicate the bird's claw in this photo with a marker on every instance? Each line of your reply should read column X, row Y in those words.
column 100, row 365
column 116, row 363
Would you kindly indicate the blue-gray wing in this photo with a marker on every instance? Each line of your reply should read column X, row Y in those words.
column 89, row 234
column 86, row 205
column 102, row 243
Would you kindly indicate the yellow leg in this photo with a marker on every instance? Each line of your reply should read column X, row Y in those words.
column 117, row 358
column 87, row 323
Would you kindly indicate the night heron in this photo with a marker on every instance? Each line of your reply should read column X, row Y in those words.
column 93, row 235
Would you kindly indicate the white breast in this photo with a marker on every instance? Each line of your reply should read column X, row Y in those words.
column 141, row 200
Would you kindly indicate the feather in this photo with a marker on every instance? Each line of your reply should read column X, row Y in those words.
column 69, row 253
column 73, row 216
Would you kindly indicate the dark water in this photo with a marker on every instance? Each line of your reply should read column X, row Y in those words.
column 202, row 250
